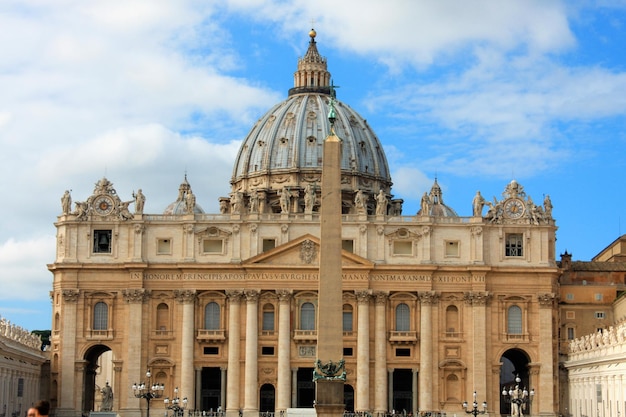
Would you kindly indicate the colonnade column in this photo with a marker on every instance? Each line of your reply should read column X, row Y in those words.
column 478, row 302
column 363, row 351
column 426, row 377
column 188, row 299
column 234, row 350
column 390, row 387
column 380, row 354
column 68, row 353
column 251, row 379
column 547, row 351
column 135, row 367
column 283, row 394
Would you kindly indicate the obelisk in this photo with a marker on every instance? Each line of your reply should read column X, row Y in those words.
column 329, row 373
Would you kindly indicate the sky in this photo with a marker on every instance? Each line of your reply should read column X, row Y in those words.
column 474, row 94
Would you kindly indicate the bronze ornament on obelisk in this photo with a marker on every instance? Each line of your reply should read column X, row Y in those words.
column 329, row 373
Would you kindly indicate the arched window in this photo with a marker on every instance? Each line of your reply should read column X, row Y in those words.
column 268, row 317
column 100, row 316
column 163, row 314
column 212, row 316
column 403, row 322
column 347, row 318
column 307, row 316
column 452, row 320
column 514, row 320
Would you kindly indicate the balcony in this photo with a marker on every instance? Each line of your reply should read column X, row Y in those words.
column 516, row 337
column 206, row 335
column 305, row 336
column 163, row 334
column 403, row 337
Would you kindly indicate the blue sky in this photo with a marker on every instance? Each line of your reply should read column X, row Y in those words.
column 473, row 93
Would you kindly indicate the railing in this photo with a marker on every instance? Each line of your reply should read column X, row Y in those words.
column 304, row 335
column 206, row 334
column 99, row 334
column 516, row 337
column 402, row 336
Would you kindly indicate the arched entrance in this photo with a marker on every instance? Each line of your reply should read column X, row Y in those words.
column 514, row 364
column 268, row 398
column 93, row 368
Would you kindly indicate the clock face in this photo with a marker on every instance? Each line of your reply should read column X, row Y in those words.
column 514, row 208
column 103, row 205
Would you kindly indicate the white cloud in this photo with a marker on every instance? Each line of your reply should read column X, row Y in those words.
column 23, row 264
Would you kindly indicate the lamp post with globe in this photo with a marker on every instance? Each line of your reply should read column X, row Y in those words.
column 474, row 410
column 176, row 404
column 519, row 398
column 148, row 391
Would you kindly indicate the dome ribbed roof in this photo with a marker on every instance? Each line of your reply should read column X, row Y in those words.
column 284, row 148
column 183, row 201
column 436, row 206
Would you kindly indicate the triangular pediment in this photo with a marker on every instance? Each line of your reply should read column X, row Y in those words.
column 303, row 251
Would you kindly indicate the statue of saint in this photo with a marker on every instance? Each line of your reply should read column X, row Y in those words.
column 309, row 199
column 107, row 398
column 66, row 202
column 359, row 202
column 477, row 205
column 140, row 200
column 284, row 200
column 381, row 203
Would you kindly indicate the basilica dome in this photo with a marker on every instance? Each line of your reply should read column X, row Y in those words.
column 284, row 149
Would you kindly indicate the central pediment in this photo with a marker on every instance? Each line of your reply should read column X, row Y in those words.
column 303, row 251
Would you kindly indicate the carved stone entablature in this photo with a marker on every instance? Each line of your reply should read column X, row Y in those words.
column 284, row 295
column 429, row 297
column 185, row 296
column 363, row 296
column 104, row 204
column 137, row 295
column 70, row 296
column 479, row 298
column 546, row 300
column 308, row 251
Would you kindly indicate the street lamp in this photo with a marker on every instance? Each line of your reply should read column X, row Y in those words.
column 519, row 397
column 177, row 404
column 474, row 411
column 148, row 391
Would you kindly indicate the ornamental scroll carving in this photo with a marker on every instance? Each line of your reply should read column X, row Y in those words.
column 284, row 295
column 185, row 296
column 252, row 296
column 363, row 296
column 479, row 298
column 330, row 370
column 381, row 297
column 308, row 251
column 429, row 297
column 234, row 296
column 138, row 295
column 546, row 300
column 70, row 296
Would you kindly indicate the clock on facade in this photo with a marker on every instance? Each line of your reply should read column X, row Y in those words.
column 514, row 208
column 103, row 205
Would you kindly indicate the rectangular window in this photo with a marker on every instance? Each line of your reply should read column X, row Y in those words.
column 102, row 241
column 267, row 350
column 452, row 248
column 571, row 335
column 347, row 351
column 268, row 320
column 514, row 245
column 403, row 352
column 598, row 297
column 212, row 246
column 268, row 244
column 569, row 296
column 164, row 246
column 570, row 315
column 347, row 321
column 211, row 350
column 402, row 247
column 347, row 245
column 599, row 314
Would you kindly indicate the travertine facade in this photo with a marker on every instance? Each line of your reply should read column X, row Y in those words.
column 223, row 306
